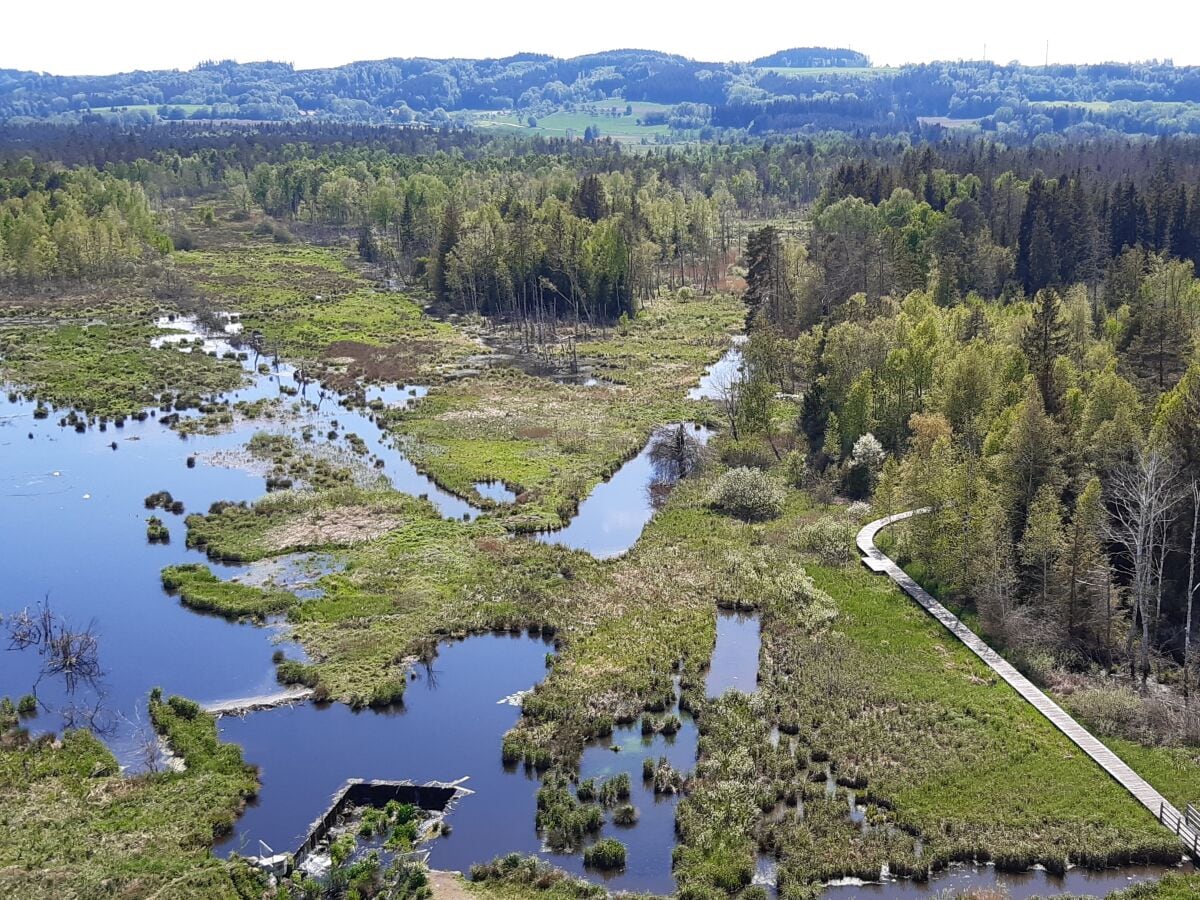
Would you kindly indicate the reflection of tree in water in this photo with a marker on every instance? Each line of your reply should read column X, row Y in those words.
column 675, row 453
column 68, row 655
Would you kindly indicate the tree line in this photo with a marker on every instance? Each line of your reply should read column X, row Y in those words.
column 1046, row 412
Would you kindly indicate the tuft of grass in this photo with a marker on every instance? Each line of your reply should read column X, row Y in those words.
column 606, row 853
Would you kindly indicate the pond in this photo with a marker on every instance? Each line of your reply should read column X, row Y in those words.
column 449, row 727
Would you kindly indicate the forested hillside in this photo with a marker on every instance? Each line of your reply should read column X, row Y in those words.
column 627, row 92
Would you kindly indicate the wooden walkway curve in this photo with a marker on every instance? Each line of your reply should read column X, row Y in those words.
column 875, row 560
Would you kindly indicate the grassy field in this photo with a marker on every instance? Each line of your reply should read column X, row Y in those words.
column 186, row 108
column 599, row 116
column 310, row 306
column 72, row 826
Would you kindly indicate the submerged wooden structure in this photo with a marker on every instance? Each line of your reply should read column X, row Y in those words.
column 432, row 796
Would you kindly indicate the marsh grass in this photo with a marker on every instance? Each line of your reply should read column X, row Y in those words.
column 75, row 826
column 198, row 588
column 105, row 369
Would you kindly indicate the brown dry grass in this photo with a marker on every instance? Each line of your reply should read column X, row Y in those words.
column 340, row 525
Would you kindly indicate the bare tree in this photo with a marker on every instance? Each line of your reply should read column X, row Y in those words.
column 1194, row 491
column 71, row 654
column 1142, row 495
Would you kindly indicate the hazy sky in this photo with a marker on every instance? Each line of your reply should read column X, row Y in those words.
column 91, row 37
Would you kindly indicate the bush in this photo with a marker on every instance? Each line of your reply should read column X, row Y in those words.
column 290, row 671
column 832, row 541
column 747, row 493
column 607, row 853
column 183, row 707
column 625, row 814
column 747, row 453
column 614, row 789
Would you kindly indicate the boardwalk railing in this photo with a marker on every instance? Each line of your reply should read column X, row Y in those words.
column 1187, row 827
column 1184, row 826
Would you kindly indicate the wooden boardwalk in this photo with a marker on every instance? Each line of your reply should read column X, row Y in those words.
column 875, row 560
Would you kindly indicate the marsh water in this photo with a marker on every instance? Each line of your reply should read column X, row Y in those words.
column 74, row 534
column 612, row 517
column 724, row 372
column 448, row 728
column 734, row 663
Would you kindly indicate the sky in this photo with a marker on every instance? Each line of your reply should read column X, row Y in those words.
column 120, row 35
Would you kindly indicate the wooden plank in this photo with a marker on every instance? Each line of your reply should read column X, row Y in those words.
column 877, row 561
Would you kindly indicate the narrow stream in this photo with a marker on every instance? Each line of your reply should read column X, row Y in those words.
column 614, row 514
column 720, row 375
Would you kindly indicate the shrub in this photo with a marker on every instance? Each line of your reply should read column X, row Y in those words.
column 27, row 705
column 614, row 789
column 289, row 671
column 183, row 707
column 607, row 853
column 747, row 453
column 795, row 468
column 832, row 541
column 156, row 531
column 749, row 494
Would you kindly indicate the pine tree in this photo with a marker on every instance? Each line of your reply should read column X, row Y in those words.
column 447, row 239
column 1044, row 341
column 1043, row 259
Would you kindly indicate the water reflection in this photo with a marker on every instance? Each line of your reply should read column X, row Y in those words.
column 616, row 512
column 735, row 658
column 720, row 375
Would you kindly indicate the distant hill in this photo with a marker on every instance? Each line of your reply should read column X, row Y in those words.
column 813, row 58
column 635, row 95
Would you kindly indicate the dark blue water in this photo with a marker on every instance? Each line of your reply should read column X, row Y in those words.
column 450, row 727
column 614, row 514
